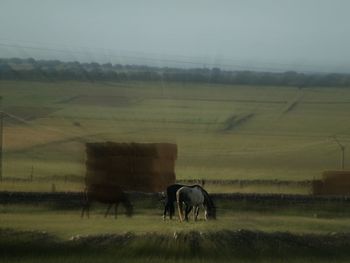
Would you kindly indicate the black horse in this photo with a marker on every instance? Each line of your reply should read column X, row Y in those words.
column 171, row 198
column 111, row 195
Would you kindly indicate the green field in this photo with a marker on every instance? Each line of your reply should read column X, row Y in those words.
column 222, row 131
column 244, row 232
column 319, row 218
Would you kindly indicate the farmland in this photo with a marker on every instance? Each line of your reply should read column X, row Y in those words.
column 222, row 131
column 246, row 135
column 244, row 232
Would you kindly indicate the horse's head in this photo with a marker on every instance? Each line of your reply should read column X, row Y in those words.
column 210, row 213
column 129, row 210
column 162, row 197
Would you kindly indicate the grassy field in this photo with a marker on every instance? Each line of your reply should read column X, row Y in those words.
column 241, row 246
column 59, row 185
column 242, row 233
column 222, row 131
column 67, row 223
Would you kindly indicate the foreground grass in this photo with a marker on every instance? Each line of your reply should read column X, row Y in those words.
column 210, row 246
column 244, row 232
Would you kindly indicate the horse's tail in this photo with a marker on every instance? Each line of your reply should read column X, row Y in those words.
column 208, row 201
column 179, row 204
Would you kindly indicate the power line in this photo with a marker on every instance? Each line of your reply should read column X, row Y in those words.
column 199, row 60
column 342, row 149
column 277, row 150
column 186, row 60
column 42, row 126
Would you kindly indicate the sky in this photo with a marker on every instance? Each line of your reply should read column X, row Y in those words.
column 263, row 35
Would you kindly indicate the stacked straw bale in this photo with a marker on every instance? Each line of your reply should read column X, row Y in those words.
column 332, row 183
column 146, row 167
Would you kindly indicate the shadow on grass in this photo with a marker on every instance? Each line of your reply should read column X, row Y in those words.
column 220, row 246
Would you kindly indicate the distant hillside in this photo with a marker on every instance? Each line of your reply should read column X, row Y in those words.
column 52, row 70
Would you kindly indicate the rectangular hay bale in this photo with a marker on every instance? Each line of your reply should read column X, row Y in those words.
column 336, row 176
column 317, row 187
column 147, row 167
column 333, row 183
column 154, row 150
column 146, row 164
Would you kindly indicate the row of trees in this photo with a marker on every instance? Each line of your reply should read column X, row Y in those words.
column 52, row 70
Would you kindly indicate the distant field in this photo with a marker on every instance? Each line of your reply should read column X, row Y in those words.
column 222, row 131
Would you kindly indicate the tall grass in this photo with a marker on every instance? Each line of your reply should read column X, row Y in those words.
column 223, row 246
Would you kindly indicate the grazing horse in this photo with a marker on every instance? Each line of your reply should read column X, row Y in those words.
column 193, row 197
column 108, row 195
column 171, row 198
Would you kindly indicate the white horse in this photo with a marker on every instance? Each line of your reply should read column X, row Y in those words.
column 194, row 197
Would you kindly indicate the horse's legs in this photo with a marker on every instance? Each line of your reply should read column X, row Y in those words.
column 108, row 208
column 186, row 207
column 116, row 209
column 169, row 206
column 88, row 205
column 187, row 211
column 128, row 206
column 205, row 212
column 195, row 212
column 179, row 207
column 85, row 210
column 82, row 211
column 165, row 209
column 85, row 204
column 171, row 210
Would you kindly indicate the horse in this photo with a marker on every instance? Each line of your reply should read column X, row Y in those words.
column 194, row 197
column 108, row 195
column 170, row 199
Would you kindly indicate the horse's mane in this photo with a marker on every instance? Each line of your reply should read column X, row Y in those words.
column 173, row 188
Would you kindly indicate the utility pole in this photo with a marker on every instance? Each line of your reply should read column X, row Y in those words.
column 342, row 148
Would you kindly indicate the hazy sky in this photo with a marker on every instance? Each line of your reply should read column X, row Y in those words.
column 302, row 35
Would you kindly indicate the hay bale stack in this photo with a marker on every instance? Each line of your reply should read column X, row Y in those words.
column 333, row 183
column 146, row 167
column 317, row 187
column 336, row 182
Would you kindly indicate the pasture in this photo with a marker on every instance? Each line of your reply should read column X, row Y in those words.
column 244, row 232
column 64, row 219
column 222, row 131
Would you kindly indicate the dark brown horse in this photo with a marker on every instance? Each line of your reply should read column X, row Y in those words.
column 111, row 195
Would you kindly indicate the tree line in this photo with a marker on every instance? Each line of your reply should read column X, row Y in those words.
column 54, row 70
